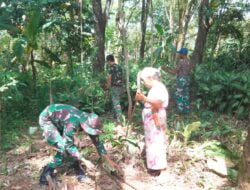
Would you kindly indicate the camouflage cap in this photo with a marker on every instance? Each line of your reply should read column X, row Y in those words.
column 92, row 125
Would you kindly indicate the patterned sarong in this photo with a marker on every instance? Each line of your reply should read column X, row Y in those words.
column 155, row 139
column 182, row 94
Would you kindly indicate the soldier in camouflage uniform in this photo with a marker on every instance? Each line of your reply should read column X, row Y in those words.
column 115, row 82
column 60, row 123
column 183, row 71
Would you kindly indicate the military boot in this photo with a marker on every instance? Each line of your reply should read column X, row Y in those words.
column 80, row 175
column 47, row 171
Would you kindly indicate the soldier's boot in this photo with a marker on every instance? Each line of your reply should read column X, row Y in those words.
column 80, row 175
column 47, row 171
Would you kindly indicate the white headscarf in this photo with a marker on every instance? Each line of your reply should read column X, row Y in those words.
column 150, row 72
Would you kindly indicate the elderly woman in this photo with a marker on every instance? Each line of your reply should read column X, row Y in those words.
column 154, row 119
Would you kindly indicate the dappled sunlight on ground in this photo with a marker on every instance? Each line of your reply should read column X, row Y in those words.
column 21, row 168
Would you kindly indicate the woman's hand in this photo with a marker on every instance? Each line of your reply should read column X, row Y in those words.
column 141, row 97
column 167, row 69
column 164, row 68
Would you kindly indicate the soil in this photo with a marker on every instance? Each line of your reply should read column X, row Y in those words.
column 21, row 167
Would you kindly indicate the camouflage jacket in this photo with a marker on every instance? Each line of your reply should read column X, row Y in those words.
column 116, row 73
column 66, row 120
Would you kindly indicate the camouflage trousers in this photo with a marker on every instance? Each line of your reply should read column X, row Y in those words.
column 63, row 144
column 116, row 93
column 182, row 94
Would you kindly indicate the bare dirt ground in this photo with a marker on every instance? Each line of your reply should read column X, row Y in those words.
column 21, row 167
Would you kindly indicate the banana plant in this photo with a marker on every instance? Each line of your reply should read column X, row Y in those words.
column 189, row 129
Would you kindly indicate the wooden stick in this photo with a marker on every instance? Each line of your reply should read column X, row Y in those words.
column 138, row 87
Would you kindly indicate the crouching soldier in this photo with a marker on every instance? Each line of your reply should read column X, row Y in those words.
column 60, row 123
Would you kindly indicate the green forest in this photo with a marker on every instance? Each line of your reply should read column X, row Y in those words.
column 54, row 52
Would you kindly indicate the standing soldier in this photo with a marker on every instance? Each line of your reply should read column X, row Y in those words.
column 115, row 82
column 60, row 123
column 183, row 72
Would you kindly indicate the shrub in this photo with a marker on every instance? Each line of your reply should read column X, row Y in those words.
column 224, row 91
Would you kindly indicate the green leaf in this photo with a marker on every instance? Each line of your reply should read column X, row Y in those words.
column 246, row 100
column 158, row 51
column 214, row 4
column 48, row 24
column 205, row 88
column 216, row 88
column 189, row 129
column 32, row 28
column 129, row 141
column 222, row 106
column 237, row 96
column 171, row 47
column 215, row 148
column 238, row 86
column 43, row 63
column 18, row 46
column 232, row 174
column 53, row 56
column 159, row 29
column 235, row 104
column 241, row 110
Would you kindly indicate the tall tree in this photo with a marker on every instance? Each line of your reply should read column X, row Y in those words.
column 203, row 28
column 30, row 34
column 225, row 24
column 178, row 14
column 144, row 17
column 185, row 13
column 152, row 33
column 100, row 20
column 120, row 20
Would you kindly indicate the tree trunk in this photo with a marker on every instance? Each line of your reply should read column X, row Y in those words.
column 152, row 34
column 178, row 14
column 181, row 22
column 50, row 93
column 81, row 29
column 169, row 11
column 120, row 19
column 34, row 72
column 69, row 68
column 144, row 18
column 185, row 14
column 100, row 20
column 215, row 46
column 202, row 33
column 244, row 172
